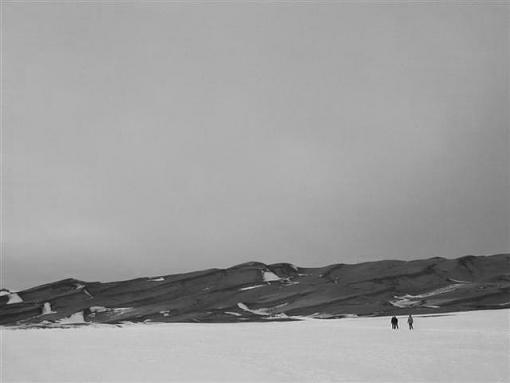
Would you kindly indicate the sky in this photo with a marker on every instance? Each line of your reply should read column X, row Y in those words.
column 155, row 138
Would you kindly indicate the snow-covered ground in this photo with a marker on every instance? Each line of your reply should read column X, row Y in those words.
column 462, row 347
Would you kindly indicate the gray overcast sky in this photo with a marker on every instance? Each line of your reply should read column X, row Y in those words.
column 145, row 139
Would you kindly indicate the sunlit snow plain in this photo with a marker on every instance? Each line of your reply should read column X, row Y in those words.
column 460, row 347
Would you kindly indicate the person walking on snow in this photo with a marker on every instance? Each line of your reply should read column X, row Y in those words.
column 410, row 322
column 394, row 323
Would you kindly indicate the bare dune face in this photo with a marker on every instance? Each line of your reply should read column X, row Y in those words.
column 458, row 347
column 280, row 292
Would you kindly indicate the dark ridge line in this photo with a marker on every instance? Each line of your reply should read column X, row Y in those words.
column 255, row 263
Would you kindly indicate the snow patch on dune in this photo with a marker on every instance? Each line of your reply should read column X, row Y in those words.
column 417, row 300
column 269, row 276
column 121, row 310
column 81, row 287
column 233, row 313
column 160, row 279
column 111, row 311
column 47, row 309
column 250, row 287
column 14, row 298
column 98, row 309
column 262, row 311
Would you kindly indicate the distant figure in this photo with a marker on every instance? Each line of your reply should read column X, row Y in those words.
column 394, row 323
column 410, row 322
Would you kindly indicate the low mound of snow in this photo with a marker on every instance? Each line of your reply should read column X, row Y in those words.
column 160, row 279
column 73, row 319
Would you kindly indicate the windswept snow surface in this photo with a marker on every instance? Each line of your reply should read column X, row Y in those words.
column 461, row 347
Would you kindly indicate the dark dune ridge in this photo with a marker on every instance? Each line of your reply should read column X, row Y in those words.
column 254, row 291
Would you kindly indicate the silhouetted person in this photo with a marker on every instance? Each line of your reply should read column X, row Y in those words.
column 394, row 323
column 410, row 321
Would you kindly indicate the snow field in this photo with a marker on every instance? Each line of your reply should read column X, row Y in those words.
column 461, row 347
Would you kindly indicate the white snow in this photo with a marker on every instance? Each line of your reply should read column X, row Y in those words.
column 160, row 279
column 262, row 311
column 14, row 298
column 269, row 276
column 83, row 288
column 462, row 347
column 250, row 287
column 47, row 309
column 265, row 311
column 413, row 300
column 4, row 292
column 120, row 310
column 73, row 319
column 98, row 309
column 116, row 310
column 233, row 313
